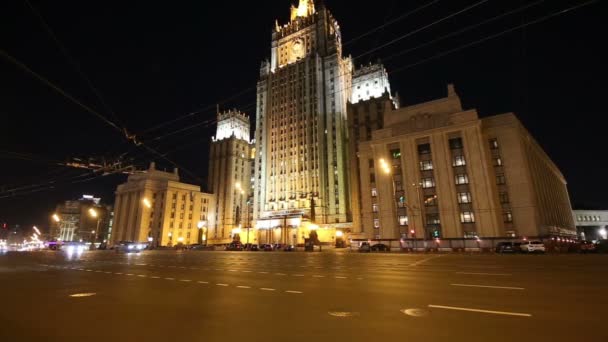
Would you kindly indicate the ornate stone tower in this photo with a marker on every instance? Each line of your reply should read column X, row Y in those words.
column 301, row 124
column 230, row 176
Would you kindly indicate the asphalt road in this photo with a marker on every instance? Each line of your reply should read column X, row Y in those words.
column 280, row 296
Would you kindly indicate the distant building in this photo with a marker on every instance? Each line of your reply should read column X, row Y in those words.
column 73, row 220
column 591, row 224
column 437, row 171
column 154, row 206
column 371, row 82
column 230, row 179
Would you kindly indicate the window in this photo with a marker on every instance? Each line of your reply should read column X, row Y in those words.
column 424, row 149
column 433, row 219
column 376, row 223
column 428, row 183
column 374, row 192
column 396, row 154
column 464, row 197
column 507, row 217
column 403, row 220
column 426, row 165
column 493, row 144
column 503, row 197
column 459, row 161
column 372, row 177
column 375, row 208
column 467, row 217
column 174, row 196
column 500, row 179
column 462, row 178
column 497, row 161
column 455, row 144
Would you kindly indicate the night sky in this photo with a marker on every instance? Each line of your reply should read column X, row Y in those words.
column 154, row 61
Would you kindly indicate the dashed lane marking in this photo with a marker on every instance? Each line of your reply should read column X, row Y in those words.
column 185, row 280
column 202, row 282
column 222, row 284
column 318, row 276
column 481, row 311
column 266, row 289
column 169, row 278
column 243, row 287
column 490, row 274
column 490, row 287
column 340, row 277
column 155, row 277
column 291, row 291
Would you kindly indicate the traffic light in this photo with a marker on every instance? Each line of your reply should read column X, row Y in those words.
column 436, row 234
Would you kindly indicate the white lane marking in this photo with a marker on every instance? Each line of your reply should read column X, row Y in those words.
column 107, row 272
column 281, row 274
column 290, row 291
column 266, row 289
column 141, row 264
column 318, row 276
column 481, row 311
column 185, row 280
column 142, row 275
column 490, row 287
column 297, row 275
column 155, row 277
column 221, row 284
column 244, row 287
column 263, row 272
column 490, row 274
column 232, row 270
column 98, row 271
column 169, row 278
column 117, row 273
column 246, row 271
column 78, row 295
column 129, row 274
column 89, row 270
column 202, row 282
column 339, row 277
column 420, row 262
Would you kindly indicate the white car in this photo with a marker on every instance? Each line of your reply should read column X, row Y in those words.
column 532, row 246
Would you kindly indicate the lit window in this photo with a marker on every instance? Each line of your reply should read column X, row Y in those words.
column 376, row 223
column 459, row 161
column 467, row 217
column 374, row 192
column 503, row 197
column 426, row 165
column 497, row 161
column 428, row 183
column 464, row 197
column 462, row 178
column 507, row 217
column 374, row 208
column 403, row 220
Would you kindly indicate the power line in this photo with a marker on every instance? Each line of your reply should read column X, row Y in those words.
column 479, row 41
column 390, row 22
column 421, row 29
column 73, row 62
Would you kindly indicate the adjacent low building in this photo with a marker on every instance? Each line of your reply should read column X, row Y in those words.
column 84, row 220
column 591, row 224
column 435, row 170
column 154, row 206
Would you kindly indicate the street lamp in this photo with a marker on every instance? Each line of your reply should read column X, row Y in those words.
column 202, row 236
column 56, row 218
column 94, row 214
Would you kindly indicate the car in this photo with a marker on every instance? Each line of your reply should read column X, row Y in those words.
column 254, row 247
column 267, row 247
column 129, row 247
column 277, row 246
column 380, row 247
column 289, row 248
column 532, row 246
column 235, row 246
column 508, row 247
column 365, row 247
column 587, row 247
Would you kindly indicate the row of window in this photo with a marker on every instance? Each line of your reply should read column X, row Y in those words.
column 585, row 218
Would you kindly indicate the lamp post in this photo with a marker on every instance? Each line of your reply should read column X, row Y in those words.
column 94, row 214
column 239, row 213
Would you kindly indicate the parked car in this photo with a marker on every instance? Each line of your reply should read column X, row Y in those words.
column 380, row 247
column 365, row 247
column 235, row 246
column 289, row 248
column 508, row 247
column 587, row 247
column 532, row 246
column 253, row 247
column 267, row 247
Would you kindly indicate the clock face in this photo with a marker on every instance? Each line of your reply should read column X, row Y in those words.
column 297, row 49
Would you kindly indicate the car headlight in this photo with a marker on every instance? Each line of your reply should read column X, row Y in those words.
column 140, row 246
column 131, row 246
column 70, row 249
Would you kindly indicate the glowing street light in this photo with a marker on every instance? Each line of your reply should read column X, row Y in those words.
column 56, row 218
column 147, row 203
column 37, row 231
column 339, row 233
column 93, row 213
column 385, row 166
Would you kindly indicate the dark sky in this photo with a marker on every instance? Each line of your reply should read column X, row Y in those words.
column 154, row 61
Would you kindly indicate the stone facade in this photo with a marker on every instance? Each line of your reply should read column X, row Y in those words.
column 154, row 206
